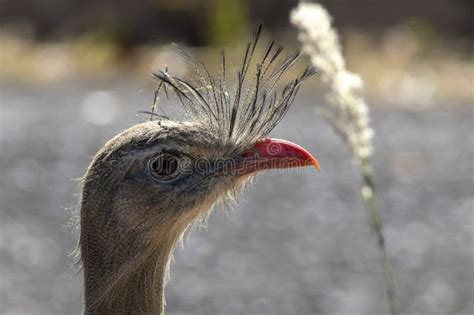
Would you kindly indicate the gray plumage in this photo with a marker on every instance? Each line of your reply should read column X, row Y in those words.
column 143, row 190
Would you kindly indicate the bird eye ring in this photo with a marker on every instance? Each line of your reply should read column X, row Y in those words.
column 165, row 166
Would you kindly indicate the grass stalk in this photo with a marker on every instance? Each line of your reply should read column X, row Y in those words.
column 347, row 113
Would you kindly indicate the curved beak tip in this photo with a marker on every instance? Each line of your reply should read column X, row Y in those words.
column 315, row 164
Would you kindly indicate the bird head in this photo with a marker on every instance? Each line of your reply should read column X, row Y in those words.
column 160, row 174
column 153, row 180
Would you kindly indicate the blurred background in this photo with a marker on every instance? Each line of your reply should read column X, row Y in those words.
column 75, row 73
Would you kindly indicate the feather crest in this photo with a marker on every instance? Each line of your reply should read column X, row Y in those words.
column 252, row 108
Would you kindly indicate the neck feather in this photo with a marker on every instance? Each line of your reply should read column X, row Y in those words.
column 121, row 275
column 139, row 291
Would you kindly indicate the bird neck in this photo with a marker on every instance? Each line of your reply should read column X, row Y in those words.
column 125, row 254
column 121, row 275
column 127, row 288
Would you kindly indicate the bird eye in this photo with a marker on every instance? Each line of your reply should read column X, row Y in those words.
column 164, row 166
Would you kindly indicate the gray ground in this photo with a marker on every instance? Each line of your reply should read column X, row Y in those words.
column 297, row 244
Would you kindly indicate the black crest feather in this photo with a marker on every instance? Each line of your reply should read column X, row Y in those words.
column 252, row 107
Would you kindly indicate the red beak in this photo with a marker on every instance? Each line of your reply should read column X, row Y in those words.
column 274, row 154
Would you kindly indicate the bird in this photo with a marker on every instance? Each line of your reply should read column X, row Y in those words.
column 150, row 183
